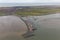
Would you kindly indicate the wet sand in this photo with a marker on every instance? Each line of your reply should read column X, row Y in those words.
column 48, row 28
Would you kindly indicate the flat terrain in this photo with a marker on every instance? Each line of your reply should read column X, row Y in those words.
column 48, row 28
column 30, row 10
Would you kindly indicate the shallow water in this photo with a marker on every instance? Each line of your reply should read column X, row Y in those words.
column 11, row 28
column 48, row 28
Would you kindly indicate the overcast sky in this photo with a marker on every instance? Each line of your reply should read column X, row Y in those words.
column 29, row 1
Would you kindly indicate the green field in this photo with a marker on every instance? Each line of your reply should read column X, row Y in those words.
column 33, row 11
column 38, row 12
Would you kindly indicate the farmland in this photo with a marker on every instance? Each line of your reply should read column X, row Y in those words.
column 30, row 10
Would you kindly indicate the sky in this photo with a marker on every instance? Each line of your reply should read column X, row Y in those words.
column 29, row 1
